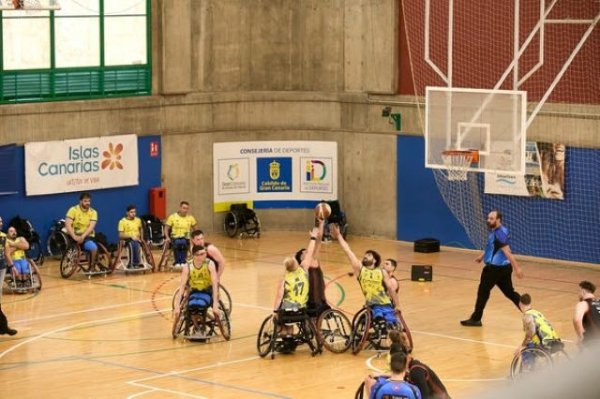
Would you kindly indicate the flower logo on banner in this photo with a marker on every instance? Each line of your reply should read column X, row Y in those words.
column 113, row 156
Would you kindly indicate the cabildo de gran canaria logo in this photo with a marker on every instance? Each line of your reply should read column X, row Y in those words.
column 82, row 159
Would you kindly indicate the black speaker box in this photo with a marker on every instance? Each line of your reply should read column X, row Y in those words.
column 427, row 245
column 421, row 273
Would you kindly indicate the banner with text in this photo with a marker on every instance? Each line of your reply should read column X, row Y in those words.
column 544, row 174
column 81, row 165
column 283, row 173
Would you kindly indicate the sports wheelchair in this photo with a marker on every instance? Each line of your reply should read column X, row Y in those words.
column 153, row 231
column 76, row 258
column 241, row 218
column 535, row 358
column 58, row 239
column 208, row 325
column 25, row 229
column 123, row 261
column 370, row 333
column 337, row 217
column 29, row 282
column 334, row 330
column 270, row 340
column 224, row 297
column 167, row 257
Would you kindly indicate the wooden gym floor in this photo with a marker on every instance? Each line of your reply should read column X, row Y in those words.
column 109, row 337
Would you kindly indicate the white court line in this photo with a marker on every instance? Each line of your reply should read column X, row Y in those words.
column 210, row 366
column 121, row 305
column 369, row 363
column 152, row 388
column 91, row 322
column 462, row 339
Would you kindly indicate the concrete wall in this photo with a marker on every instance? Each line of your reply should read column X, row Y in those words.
column 241, row 70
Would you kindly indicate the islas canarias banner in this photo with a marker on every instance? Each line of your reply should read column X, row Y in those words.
column 81, row 165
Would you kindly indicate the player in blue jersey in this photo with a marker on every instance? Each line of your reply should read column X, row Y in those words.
column 499, row 264
column 394, row 386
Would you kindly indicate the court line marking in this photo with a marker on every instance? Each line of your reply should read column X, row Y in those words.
column 178, row 374
column 369, row 364
column 84, row 323
column 85, row 311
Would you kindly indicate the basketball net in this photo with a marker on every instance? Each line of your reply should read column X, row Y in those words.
column 457, row 164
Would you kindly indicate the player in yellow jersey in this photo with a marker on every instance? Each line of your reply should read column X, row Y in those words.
column 201, row 275
column 4, row 262
column 177, row 230
column 293, row 288
column 375, row 282
column 130, row 230
column 80, row 224
column 16, row 254
column 538, row 330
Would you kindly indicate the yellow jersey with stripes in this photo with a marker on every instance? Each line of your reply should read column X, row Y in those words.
column 82, row 219
column 199, row 279
column 372, row 286
column 130, row 227
column 295, row 289
column 543, row 329
column 181, row 226
column 18, row 253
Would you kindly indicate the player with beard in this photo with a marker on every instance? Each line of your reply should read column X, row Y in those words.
column 374, row 281
column 499, row 264
column 80, row 223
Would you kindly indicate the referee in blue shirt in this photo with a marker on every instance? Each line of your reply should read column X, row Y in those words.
column 499, row 263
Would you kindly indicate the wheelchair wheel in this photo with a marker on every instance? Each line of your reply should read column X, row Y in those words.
column 35, row 252
column 405, row 329
column 361, row 323
column 57, row 244
column 528, row 361
column 104, row 259
column 69, row 262
column 166, row 256
column 311, row 336
column 180, row 325
column 360, row 391
column 225, row 299
column 334, row 330
column 36, row 277
column 223, row 322
column 266, row 336
column 230, row 224
column 147, row 254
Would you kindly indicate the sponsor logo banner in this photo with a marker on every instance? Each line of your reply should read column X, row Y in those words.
column 274, row 171
column 81, row 165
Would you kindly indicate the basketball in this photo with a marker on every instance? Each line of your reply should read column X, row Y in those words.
column 322, row 210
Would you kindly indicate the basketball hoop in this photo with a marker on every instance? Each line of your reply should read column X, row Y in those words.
column 458, row 163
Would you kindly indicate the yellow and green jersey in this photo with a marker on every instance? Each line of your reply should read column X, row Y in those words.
column 181, row 226
column 130, row 227
column 295, row 289
column 544, row 331
column 200, row 276
column 372, row 286
column 82, row 219
column 18, row 253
